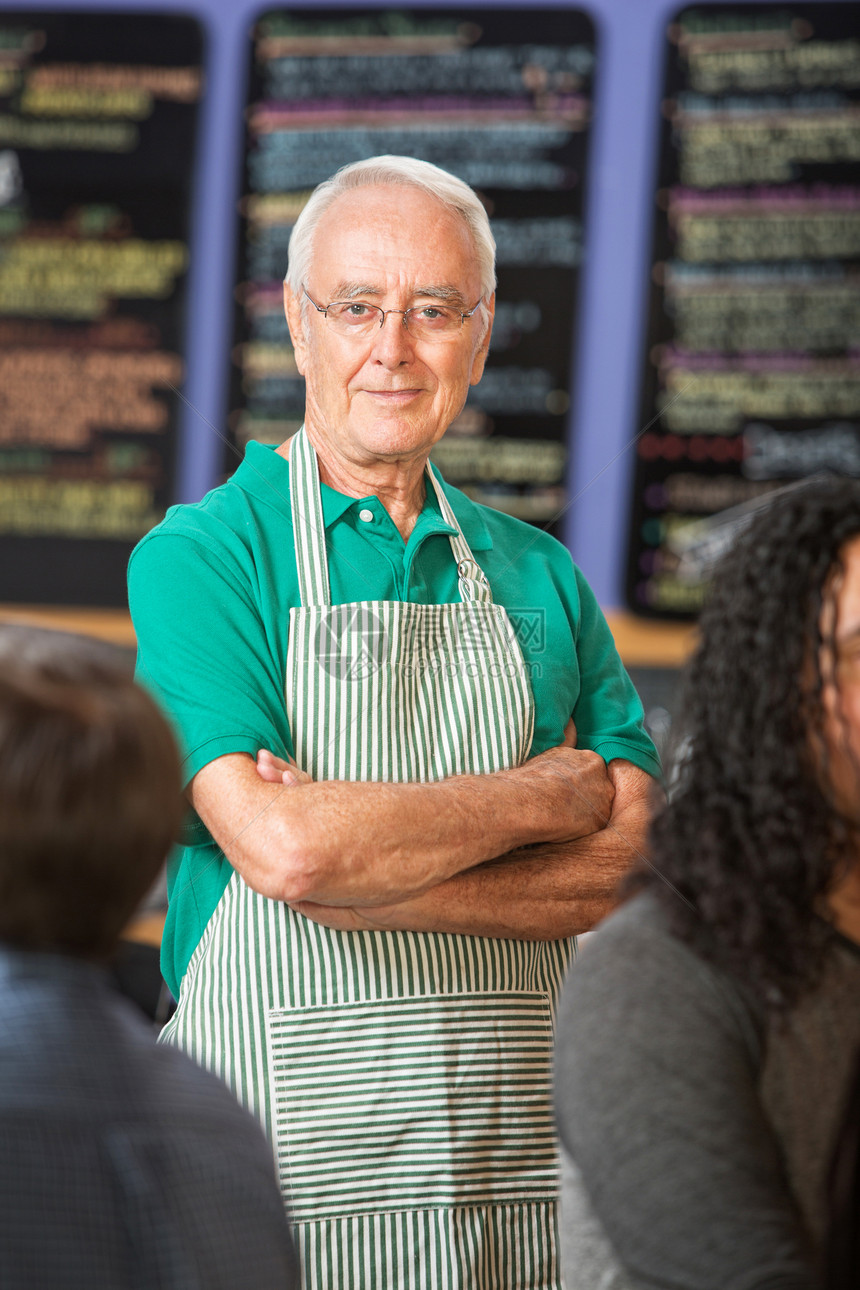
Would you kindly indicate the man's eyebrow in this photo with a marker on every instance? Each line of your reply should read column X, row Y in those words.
column 435, row 291
column 351, row 290
column 451, row 295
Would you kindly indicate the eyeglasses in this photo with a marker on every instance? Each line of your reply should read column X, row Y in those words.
column 424, row 322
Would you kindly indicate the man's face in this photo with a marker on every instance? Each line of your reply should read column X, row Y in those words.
column 387, row 396
column 841, row 684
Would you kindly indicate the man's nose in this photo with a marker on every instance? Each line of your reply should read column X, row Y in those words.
column 392, row 343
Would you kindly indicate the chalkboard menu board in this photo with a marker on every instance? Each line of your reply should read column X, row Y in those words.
column 501, row 98
column 97, row 127
column 752, row 371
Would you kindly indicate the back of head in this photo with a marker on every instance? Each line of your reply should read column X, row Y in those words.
column 89, row 792
column 393, row 171
column 751, row 838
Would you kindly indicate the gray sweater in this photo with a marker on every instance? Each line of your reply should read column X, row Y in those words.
column 696, row 1138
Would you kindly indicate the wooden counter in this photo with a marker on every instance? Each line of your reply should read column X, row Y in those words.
column 641, row 642
column 644, row 642
column 112, row 625
column 146, row 929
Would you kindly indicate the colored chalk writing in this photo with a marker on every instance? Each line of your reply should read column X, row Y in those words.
column 752, row 370
column 97, row 134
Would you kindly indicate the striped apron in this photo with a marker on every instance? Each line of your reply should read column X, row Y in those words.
column 403, row 1077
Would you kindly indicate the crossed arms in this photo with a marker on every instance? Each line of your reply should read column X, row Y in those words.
column 534, row 852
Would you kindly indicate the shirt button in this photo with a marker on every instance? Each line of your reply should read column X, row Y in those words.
column 365, row 515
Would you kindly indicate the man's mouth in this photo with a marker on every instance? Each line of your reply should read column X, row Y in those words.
column 394, row 396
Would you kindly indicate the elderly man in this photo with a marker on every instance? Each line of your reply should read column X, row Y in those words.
column 401, row 815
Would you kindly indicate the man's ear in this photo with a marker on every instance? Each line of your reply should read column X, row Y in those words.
column 296, row 324
column 481, row 353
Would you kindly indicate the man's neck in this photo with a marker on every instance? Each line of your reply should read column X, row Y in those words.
column 399, row 485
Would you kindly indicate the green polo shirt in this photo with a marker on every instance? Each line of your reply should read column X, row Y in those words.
column 210, row 591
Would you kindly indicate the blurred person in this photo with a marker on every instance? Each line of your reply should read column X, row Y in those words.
column 122, row 1164
column 394, row 838
column 708, row 1037
column 842, row 1258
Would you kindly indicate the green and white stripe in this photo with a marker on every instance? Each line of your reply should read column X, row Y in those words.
column 463, row 1079
column 403, row 1077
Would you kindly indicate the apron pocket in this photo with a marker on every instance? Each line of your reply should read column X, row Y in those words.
column 417, row 1103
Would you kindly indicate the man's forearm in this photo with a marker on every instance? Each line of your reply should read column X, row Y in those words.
column 542, row 892
column 355, row 843
column 527, row 895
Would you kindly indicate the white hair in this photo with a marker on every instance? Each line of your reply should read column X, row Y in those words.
column 453, row 193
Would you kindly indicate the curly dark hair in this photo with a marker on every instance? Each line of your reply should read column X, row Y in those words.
column 749, row 838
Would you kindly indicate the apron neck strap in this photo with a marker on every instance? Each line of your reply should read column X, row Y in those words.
column 309, row 532
column 473, row 582
column 308, row 525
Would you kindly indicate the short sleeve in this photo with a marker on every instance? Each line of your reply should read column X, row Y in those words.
column 204, row 651
column 608, row 713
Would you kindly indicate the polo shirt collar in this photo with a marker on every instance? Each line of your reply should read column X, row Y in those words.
column 265, row 474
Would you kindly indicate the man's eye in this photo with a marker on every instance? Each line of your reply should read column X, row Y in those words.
column 433, row 314
column 357, row 310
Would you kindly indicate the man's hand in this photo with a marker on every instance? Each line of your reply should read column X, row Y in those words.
column 584, row 785
column 348, row 843
column 280, row 770
column 581, row 781
column 540, row 892
column 576, row 780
